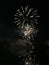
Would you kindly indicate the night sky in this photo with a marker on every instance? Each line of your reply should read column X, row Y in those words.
column 8, row 9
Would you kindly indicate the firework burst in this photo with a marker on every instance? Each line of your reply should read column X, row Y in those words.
column 26, row 15
column 26, row 19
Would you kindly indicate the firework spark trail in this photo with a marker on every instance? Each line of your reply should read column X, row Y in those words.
column 26, row 8
column 29, row 12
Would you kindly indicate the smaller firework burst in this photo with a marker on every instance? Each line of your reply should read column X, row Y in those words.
column 29, row 31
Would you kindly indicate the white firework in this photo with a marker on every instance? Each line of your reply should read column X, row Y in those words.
column 26, row 19
column 26, row 15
